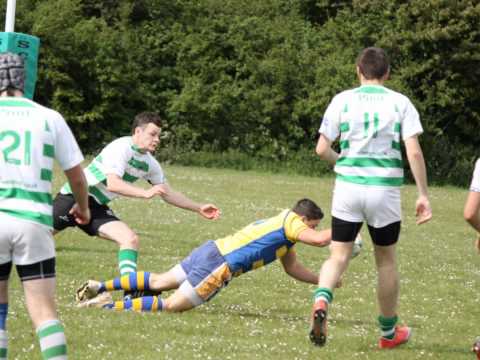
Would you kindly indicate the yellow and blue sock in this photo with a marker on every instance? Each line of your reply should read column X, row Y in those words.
column 144, row 303
column 129, row 282
column 387, row 326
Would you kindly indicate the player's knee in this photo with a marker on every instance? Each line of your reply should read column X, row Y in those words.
column 155, row 282
column 342, row 258
column 131, row 241
column 170, row 305
column 386, row 263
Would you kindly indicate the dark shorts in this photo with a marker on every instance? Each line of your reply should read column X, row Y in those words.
column 40, row 270
column 346, row 231
column 101, row 214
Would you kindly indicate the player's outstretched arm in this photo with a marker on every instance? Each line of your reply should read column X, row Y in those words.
column 117, row 185
column 296, row 270
column 417, row 165
column 175, row 198
column 315, row 238
column 78, row 183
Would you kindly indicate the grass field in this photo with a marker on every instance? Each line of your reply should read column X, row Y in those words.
column 265, row 314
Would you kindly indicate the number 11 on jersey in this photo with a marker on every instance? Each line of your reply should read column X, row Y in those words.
column 366, row 124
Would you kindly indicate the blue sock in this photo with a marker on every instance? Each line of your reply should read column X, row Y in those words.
column 3, row 316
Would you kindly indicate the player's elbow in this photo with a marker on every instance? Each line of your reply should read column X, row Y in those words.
column 112, row 186
column 325, row 242
column 320, row 241
column 469, row 215
column 321, row 150
column 414, row 151
column 290, row 269
column 78, row 183
column 415, row 156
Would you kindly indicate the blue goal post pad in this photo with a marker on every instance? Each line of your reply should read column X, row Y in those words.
column 26, row 46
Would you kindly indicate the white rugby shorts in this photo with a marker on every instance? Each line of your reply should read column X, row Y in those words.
column 379, row 206
column 23, row 242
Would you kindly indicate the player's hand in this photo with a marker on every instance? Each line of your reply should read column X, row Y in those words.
column 209, row 211
column 155, row 190
column 82, row 217
column 423, row 210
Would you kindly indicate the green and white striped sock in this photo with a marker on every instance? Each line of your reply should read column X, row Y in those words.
column 3, row 344
column 387, row 326
column 53, row 343
column 127, row 261
column 323, row 294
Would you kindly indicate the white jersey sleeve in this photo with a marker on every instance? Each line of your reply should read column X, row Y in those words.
column 67, row 151
column 155, row 176
column 475, row 185
column 411, row 124
column 330, row 126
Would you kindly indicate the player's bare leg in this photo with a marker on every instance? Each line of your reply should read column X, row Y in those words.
column 388, row 280
column 330, row 275
column 40, row 301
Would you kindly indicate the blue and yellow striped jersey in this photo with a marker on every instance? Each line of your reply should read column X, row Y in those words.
column 261, row 242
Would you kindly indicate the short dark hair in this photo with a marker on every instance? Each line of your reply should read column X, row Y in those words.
column 373, row 63
column 146, row 118
column 308, row 208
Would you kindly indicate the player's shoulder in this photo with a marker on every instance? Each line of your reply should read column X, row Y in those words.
column 398, row 96
column 152, row 159
column 343, row 95
column 49, row 113
column 52, row 117
column 288, row 217
column 477, row 164
column 124, row 142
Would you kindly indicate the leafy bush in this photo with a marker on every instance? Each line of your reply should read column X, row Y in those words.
column 251, row 79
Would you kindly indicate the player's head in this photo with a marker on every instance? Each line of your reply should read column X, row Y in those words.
column 373, row 64
column 146, row 130
column 12, row 74
column 309, row 211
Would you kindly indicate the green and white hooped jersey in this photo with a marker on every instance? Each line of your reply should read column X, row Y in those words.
column 370, row 121
column 121, row 157
column 31, row 137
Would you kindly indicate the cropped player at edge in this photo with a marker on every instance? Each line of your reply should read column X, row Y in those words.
column 111, row 174
column 471, row 214
column 211, row 266
column 31, row 138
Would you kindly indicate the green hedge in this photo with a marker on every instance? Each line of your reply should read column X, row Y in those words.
column 251, row 79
